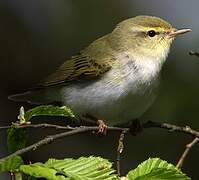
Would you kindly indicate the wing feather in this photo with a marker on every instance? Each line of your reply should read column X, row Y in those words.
column 92, row 62
column 77, row 68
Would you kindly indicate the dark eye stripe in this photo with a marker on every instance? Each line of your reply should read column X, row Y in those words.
column 146, row 33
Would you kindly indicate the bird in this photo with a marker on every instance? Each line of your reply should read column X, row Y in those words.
column 115, row 79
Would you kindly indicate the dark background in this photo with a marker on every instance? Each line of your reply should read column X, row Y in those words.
column 37, row 36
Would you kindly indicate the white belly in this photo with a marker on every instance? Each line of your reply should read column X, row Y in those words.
column 122, row 94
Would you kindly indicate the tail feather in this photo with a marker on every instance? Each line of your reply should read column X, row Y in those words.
column 32, row 97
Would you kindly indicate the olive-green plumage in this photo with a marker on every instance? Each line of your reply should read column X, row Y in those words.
column 116, row 77
column 91, row 62
column 98, row 58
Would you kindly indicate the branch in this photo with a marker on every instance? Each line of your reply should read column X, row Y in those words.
column 148, row 124
column 120, row 149
column 186, row 152
column 43, row 125
column 193, row 142
column 51, row 138
column 171, row 127
column 82, row 129
column 5, row 127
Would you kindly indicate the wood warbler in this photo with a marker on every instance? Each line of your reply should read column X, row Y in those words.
column 116, row 77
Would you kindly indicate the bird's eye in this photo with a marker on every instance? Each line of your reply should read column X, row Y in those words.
column 151, row 33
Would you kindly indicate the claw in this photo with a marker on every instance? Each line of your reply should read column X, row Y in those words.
column 136, row 127
column 102, row 127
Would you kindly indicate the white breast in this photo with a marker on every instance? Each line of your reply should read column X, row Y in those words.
column 123, row 94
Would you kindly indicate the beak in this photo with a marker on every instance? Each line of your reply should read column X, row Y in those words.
column 176, row 32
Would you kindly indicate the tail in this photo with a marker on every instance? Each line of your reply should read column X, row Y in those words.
column 32, row 97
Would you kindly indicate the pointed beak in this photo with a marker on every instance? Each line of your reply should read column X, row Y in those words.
column 176, row 32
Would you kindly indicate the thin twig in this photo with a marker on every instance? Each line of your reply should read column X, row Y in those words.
column 51, row 138
column 186, row 152
column 193, row 53
column 45, row 141
column 12, row 176
column 120, row 149
column 148, row 124
column 43, row 125
column 171, row 127
column 81, row 129
column 4, row 127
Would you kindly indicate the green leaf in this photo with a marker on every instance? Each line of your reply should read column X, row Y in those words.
column 156, row 169
column 16, row 139
column 11, row 164
column 39, row 170
column 84, row 168
column 48, row 110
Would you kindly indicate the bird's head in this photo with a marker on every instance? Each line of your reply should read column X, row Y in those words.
column 145, row 36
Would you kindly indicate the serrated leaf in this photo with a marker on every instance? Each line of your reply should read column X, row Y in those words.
column 16, row 139
column 163, row 174
column 84, row 168
column 11, row 164
column 39, row 170
column 48, row 110
column 156, row 169
column 91, row 167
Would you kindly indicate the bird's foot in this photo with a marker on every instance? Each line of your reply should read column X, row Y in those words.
column 102, row 127
column 136, row 127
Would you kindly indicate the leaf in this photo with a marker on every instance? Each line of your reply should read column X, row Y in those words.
column 39, row 170
column 84, row 168
column 11, row 164
column 48, row 110
column 16, row 139
column 156, row 169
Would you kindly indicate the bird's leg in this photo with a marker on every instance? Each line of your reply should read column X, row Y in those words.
column 102, row 127
column 101, row 124
column 136, row 127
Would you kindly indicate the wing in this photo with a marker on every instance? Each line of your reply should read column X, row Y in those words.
column 78, row 67
column 92, row 62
